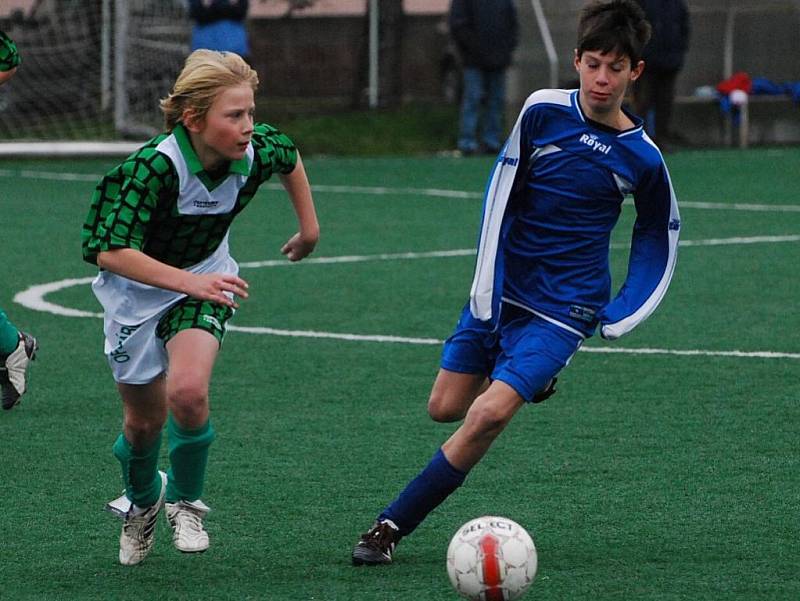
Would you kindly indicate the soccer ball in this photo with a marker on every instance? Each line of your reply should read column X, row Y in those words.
column 491, row 559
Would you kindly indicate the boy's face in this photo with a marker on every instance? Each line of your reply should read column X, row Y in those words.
column 604, row 79
column 225, row 131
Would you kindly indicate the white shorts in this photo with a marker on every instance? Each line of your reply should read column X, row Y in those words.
column 136, row 355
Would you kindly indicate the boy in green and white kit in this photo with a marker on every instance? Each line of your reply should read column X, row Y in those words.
column 17, row 349
column 158, row 229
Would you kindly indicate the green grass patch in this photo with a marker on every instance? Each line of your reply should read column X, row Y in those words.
column 415, row 128
column 654, row 477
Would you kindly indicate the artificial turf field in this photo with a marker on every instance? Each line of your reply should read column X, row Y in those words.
column 668, row 470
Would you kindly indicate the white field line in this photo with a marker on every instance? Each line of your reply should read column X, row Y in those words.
column 460, row 252
column 51, row 175
column 34, row 298
column 407, row 191
column 436, row 341
column 469, row 252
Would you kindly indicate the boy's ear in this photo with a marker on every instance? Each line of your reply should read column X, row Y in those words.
column 637, row 71
column 577, row 60
column 191, row 120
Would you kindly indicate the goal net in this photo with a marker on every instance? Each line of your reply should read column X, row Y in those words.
column 92, row 70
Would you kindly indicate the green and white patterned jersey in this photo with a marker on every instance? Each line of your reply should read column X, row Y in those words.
column 161, row 202
column 9, row 57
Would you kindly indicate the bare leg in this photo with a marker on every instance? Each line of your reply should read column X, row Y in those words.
column 144, row 414
column 191, row 360
column 144, row 411
column 485, row 419
column 453, row 393
column 192, row 354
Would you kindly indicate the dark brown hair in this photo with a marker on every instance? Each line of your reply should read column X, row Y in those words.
column 613, row 26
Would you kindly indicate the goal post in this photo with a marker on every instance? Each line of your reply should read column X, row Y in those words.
column 92, row 71
column 151, row 42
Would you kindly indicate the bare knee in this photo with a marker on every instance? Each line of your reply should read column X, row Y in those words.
column 188, row 400
column 443, row 407
column 452, row 395
column 486, row 419
column 142, row 430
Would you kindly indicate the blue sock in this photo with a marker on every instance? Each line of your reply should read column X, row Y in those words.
column 423, row 494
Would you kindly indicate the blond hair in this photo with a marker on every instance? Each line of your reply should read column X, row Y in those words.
column 204, row 74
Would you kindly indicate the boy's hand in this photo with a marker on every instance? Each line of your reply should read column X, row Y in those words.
column 214, row 286
column 298, row 247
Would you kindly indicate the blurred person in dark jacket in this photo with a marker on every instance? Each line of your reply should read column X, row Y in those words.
column 663, row 58
column 220, row 25
column 486, row 34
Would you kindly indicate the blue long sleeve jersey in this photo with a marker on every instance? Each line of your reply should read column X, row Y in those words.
column 554, row 196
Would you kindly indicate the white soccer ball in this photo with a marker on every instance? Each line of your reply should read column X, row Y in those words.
column 491, row 559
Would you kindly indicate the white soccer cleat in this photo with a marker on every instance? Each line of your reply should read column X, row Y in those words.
column 14, row 369
column 186, row 519
column 138, row 532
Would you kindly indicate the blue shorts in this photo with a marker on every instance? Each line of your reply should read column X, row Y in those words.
column 525, row 351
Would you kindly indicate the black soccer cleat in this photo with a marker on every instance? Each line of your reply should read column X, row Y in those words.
column 376, row 545
column 14, row 370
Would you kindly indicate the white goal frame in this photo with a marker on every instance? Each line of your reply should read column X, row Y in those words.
column 140, row 47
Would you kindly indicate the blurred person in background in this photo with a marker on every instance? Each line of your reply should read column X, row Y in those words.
column 486, row 33
column 663, row 58
column 17, row 349
column 220, row 25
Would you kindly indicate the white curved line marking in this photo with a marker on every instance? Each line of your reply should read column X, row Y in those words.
column 33, row 298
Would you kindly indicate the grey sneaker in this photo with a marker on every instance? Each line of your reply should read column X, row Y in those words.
column 138, row 531
column 186, row 519
column 14, row 369
column 377, row 544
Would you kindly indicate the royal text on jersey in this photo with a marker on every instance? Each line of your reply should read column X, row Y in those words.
column 595, row 144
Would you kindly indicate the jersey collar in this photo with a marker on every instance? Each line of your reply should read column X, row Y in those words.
column 637, row 121
column 239, row 166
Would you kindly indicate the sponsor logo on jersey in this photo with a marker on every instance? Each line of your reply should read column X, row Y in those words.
column 204, row 204
column 511, row 161
column 595, row 144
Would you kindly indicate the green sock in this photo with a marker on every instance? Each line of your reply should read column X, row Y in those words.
column 9, row 335
column 188, row 457
column 139, row 471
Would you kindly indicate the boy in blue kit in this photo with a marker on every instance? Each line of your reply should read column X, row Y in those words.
column 542, row 283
